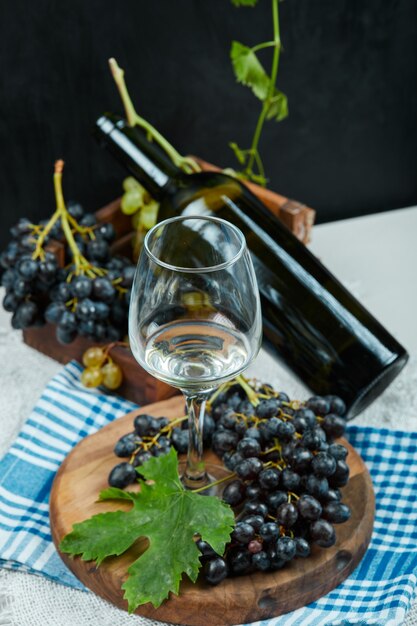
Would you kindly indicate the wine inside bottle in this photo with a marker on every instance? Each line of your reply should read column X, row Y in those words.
column 318, row 328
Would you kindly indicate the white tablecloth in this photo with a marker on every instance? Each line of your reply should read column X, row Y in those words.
column 375, row 256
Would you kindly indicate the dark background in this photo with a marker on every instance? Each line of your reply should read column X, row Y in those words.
column 349, row 68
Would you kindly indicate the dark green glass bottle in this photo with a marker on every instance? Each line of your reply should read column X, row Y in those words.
column 317, row 327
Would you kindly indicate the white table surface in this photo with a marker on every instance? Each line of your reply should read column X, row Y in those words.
column 374, row 256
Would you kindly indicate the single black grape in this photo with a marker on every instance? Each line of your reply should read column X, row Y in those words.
column 323, row 464
column 21, row 287
column 319, row 405
column 334, row 425
column 65, row 335
column 68, row 320
column 249, row 447
column 54, row 311
column 25, row 314
column 141, row 458
column 141, row 424
column 336, row 512
column 75, row 209
column 254, row 491
column 122, row 475
column 333, row 495
column 309, row 508
column 302, row 547
column 103, row 289
column 255, row 520
column 180, row 439
column 215, row 570
column 223, row 441
column 341, row 475
column 276, row 562
column 269, row 478
column 285, row 430
column 300, row 424
column 89, row 219
column 317, row 487
column 275, row 499
column 253, row 433
column 128, row 274
column 234, row 493
column 81, row 287
column 11, row 302
column 285, row 548
column 338, row 451
column 287, row 514
column 8, row 278
column 290, row 480
column 313, row 438
column 272, row 426
column 248, row 469
column 228, row 419
column 269, row 531
column 105, row 231
column 61, row 292
column 301, row 459
column 243, row 532
column 233, row 401
column 246, row 408
column 27, row 268
column 126, row 445
column 261, row 561
column 322, row 533
column 240, row 561
column 97, row 250
column 102, row 312
column 307, row 415
column 267, row 408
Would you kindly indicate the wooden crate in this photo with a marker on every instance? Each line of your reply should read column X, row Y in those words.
column 138, row 385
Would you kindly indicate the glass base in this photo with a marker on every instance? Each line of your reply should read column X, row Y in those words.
column 208, row 485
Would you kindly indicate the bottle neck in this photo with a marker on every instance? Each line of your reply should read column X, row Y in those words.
column 143, row 159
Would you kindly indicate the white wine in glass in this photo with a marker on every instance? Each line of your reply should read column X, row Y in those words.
column 195, row 318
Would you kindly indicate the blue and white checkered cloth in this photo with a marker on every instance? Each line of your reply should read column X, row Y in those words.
column 379, row 591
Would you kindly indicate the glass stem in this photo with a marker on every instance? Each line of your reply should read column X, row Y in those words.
column 195, row 475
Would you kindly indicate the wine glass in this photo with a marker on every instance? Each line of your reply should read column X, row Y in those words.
column 195, row 317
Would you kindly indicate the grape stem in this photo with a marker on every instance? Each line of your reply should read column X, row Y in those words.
column 188, row 165
column 39, row 251
column 251, row 393
column 82, row 265
column 216, row 482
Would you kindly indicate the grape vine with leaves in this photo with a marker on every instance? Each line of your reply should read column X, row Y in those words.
column 250, row 72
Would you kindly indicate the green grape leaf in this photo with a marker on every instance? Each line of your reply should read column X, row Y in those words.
column 278, row 108
column 166, row 514
column 239, row 154
column 244, row 3
column 248, row 70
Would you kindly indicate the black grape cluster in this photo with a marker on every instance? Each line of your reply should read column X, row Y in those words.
column 287, row 472
column 152, row 436
column 27, row 281
column 92, row 302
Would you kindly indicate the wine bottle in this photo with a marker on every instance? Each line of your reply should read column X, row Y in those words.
column 317, row 327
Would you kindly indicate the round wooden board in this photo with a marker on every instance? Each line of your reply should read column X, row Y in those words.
column 236, row 600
